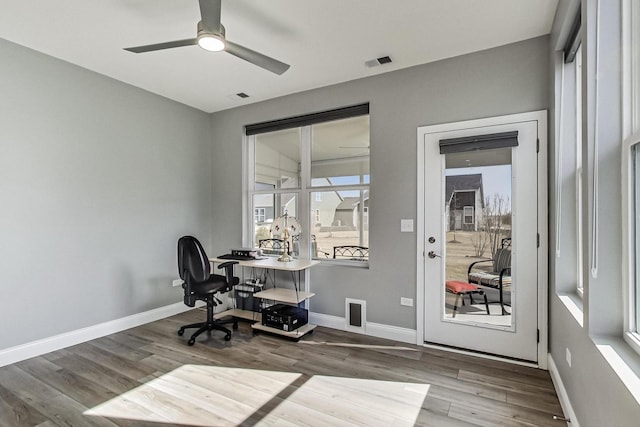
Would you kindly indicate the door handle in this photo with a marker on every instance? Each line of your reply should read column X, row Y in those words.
column 433, row 255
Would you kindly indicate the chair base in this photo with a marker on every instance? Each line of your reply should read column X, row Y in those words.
column 206, row 327
column 210, row 325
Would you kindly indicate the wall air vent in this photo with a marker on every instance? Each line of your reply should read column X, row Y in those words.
column 355, row 315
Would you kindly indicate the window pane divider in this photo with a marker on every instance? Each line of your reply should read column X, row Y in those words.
column 325, row 188
column 275, row 191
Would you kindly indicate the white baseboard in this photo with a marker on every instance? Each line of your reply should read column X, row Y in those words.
column 56, row 342
column 333, row 322
column 563, row 396
column 46, row 345
column 372, row 329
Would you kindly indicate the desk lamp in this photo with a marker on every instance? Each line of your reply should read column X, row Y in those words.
column 287, row 226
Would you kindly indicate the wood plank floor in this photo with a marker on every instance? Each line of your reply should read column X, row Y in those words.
column 148, row 376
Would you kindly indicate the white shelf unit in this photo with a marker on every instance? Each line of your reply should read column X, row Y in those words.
column 288, row 296
column 241, row 314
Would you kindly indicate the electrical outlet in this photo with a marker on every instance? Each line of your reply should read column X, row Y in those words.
column 177, row 282
column 568, row 357
column 406, row 301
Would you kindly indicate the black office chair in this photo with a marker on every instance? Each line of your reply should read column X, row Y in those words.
column 200, row 284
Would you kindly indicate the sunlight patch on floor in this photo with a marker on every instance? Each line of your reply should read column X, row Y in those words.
column 325, row 400
column 199, row 395
column 221, row 396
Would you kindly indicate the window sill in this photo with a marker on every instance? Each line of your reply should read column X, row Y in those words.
column 343, row 263
column 573, row 303
column 624, row 361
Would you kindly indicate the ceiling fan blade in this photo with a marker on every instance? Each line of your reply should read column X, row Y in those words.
column 256, row 58
column 161, row 46
column 210, row 13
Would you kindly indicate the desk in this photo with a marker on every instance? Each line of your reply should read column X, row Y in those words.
column 272, row 263
column 291, row 296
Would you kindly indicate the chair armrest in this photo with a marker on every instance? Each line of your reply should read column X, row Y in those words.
column 227, row 264
column 502, row 273
column 477, row 262
column 228, row 270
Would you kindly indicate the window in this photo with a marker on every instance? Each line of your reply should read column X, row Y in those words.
column 320, row 167
column 631, row 177
column 635, row 295
column 577, row 123
column 631, row 201
column 467, row 213
column 259, row 214
column 568, row 165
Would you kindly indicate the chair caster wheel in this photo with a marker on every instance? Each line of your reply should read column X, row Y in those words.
column 192, row 341
column 180, row 332
column 227, row 337
column 235, row 326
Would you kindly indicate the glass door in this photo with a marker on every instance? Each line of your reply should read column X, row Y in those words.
column 481, row 283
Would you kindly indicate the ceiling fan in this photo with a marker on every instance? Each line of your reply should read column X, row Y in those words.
column 211, row 37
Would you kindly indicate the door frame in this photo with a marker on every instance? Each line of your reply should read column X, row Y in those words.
column 542, row 221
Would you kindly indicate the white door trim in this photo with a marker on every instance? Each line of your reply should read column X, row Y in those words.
column 541, row 118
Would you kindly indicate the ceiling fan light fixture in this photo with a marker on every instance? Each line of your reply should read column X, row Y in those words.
column 211, row 42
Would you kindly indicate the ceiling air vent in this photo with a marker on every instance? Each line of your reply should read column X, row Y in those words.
column 378, row 61
column 242, row 95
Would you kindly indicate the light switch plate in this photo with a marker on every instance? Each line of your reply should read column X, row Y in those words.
column 406, row 225
column 406, row 301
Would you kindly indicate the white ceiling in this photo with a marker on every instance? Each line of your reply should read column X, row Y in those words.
column 324, row 41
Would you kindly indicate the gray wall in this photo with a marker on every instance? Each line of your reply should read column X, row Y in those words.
column 504, row 80
column 97, row 181
column 597, row 395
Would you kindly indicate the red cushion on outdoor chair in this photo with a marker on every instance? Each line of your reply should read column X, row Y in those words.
column 458, row 287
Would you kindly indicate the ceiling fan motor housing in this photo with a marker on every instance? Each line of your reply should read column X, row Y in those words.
column 212, row 40
column 220, row 32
